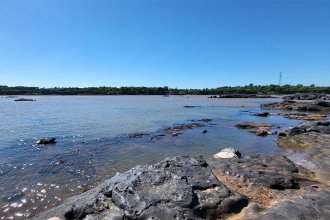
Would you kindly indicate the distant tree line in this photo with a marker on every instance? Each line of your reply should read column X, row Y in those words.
column 248, row 89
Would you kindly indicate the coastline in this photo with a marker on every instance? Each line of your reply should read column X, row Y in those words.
column 271, row 192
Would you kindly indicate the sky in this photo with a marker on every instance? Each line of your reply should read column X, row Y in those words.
column 183, row 44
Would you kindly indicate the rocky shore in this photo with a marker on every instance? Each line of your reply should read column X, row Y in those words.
column 316, row 106
column 226, row 186
column 229, row 185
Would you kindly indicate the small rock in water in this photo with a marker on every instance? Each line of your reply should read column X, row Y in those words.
column 24, row 100
column 262, row 114
column 135, row 135
column 51, row 140
column 228, row 153
column 205, row 131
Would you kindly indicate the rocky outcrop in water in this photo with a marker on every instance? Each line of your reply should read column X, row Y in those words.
column 240, row 96
column 24, row 100
column 259, row 129
column 302, row 116
column 261, row 114
column 299, row 106
column 50, row 140
column 176, row 188
column 308, row 96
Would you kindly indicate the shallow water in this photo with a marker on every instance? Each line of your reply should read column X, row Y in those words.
column 92, row 143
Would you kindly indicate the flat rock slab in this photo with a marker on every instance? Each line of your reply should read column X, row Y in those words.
column 313, row 204
column 176, row 188
column 271, row 171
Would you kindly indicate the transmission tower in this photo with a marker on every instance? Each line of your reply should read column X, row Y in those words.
column 280, row 80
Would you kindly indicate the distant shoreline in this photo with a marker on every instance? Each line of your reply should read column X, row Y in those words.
column 225, row 90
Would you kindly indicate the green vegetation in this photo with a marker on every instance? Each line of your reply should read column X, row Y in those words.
column 249, row 89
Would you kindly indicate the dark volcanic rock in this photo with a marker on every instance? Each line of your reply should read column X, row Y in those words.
column 51, row 140
column 251, row 125
column 135, row 135
column 259, row 129
column 177, row 128
column 322, row 103
column 308, row 96
column 292, row 105
column 262, row 114
column 177, row 188
column 319, row 126
column 271, row 171
column 24, row 100
column 192, row 106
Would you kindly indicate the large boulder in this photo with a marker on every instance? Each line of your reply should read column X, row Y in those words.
column 176, row 188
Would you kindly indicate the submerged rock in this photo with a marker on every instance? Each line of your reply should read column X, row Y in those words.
column 51, row 140
column 262, row 114
column 228, row 153
column 176, row 188
column 24, row 100
column 135, row 135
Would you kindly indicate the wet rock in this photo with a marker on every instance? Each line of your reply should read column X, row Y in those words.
column 259, row 129
column 206, row 120
column 51, row 140
column 135, row 135
column 262, row 114
column 262, row 131
column 204, row 132
column 192, row 106
column 178, row 128
column 320, row 127
column 282, row 133
column 323, row 103
column 24, row 100
column 301, row 116
column 178, row 188
column 251, row 125
column 271, row 171
column 228, row 153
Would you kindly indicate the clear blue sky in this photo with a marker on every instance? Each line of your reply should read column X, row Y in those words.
column 184, row 44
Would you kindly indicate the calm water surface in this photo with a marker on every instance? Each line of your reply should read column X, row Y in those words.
column 92, row 143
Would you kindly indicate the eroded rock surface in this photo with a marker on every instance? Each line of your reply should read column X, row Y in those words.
column 313, row 204
column 259, row 129
column 271, row 171
column 316, row 106
column 308, row 96
column 313, row 139
column 177, row 188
